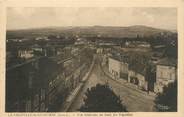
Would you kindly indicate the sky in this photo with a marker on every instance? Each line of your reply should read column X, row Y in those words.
column 36, row 17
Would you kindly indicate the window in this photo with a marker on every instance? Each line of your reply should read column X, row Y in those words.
column 42, row 108
column 172, row 76
column 42, row 94
column 36, row 100
column 36, row 65
column 161, row 74
column 30, row 82
column 28, row 106
column 30, row 79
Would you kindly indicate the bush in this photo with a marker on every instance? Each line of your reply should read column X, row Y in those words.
column 101, row 98
column 167, row 100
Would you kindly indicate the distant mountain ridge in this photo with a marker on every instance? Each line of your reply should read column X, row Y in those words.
column 108, row 31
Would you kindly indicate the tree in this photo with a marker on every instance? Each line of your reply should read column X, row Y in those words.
column 171, row 51
column 101, row 98
column 167, row 100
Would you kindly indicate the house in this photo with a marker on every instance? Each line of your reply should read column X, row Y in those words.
column 104, row 59
column 41, row 83
column 143, row 45
column 118, row 68
column 22, row 88
column 34, row 85
column 138, row 72
column 36, row 47
column 133, row 73
column 25, row 54
column 99, row 50
column 114, row 67
column 166, row 72
column 138, row 79
column 52, row 79
column 75, row 51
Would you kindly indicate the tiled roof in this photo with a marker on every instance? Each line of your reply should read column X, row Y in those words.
column 119, row 58
column 168, row 62
column 136, row 66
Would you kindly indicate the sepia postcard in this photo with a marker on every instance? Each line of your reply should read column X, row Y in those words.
column 92, row 58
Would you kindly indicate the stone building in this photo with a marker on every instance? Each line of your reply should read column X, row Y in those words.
column 41, row 84
column 136, row 74
column 118, row 68
column 166, row 72
column 138, row 79
column 25, row 54
column 22, row 88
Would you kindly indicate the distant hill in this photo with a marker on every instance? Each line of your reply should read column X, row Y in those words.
column 104, row 31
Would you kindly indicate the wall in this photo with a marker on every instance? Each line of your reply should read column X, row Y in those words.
column 142, row 83
column 165, row 72
column 164, row 75
column 114, row 67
